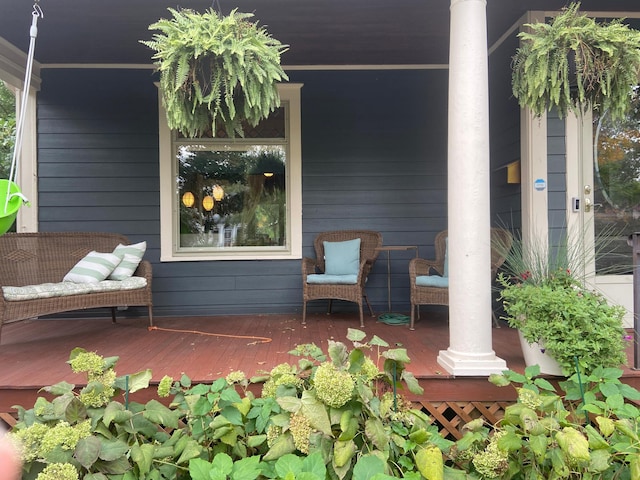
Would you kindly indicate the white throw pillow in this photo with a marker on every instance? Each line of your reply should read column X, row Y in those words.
column 131, row 257
column 93, row 268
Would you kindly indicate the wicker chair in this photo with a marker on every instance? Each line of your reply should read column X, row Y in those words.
column 501, row 241
column 369, row 242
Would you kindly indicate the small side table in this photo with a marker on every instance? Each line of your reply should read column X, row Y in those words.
column 389, row 249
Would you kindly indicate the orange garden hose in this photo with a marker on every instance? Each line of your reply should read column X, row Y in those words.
column 197, row 332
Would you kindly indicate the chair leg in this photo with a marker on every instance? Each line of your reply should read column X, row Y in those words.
column 330, row 306
column 304, row 312
column 113, row 314
column 150, row 315
column 361, row 316
column 366, row 299
column 413, row 316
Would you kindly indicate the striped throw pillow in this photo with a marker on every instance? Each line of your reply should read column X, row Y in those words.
column 93, row 268
column 131, row 257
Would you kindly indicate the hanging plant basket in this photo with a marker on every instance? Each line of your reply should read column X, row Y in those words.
column 575, row 62
column 216, row 69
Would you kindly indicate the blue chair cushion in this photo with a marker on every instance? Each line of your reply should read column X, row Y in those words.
column 342, row 258
column 332, row 279
column 432, row 281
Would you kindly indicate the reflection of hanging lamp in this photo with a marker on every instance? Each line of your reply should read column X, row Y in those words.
column 188, row 199
column 207, row 203
column 218, row 192
column 268, row 174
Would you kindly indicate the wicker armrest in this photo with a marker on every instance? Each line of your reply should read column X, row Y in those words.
column 420, row 266
column 144, row 270
column 308, row 266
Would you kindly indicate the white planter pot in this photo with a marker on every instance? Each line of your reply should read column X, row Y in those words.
column 534, row 355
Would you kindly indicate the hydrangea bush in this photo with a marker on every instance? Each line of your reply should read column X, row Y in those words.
column 334, row 416
column 341, row 411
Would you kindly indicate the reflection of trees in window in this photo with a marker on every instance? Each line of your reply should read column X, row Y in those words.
column 617, row 185
column 250, row 211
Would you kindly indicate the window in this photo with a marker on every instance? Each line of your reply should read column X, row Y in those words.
column 234, row 199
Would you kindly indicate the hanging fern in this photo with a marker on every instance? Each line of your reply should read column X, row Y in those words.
column 216, row 70
column 575, row 62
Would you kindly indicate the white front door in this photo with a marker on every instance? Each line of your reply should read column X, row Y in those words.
column 603, row 200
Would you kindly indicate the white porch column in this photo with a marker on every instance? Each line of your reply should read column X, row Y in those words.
column 470, row 350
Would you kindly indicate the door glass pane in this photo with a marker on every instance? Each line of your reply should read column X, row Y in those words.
column 231, row 198
column 616, row 188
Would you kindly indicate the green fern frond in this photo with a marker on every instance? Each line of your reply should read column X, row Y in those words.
column 216, row 69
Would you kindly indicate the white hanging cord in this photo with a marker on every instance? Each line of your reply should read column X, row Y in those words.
column 33, row 33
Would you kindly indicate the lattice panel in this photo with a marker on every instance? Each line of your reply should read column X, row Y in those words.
column 450, row 417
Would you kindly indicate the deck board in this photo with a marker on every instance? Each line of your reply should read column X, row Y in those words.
column 34, row 353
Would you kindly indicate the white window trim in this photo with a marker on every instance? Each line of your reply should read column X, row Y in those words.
column 290, row 93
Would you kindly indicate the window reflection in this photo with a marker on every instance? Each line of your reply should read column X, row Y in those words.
column 236, row 196
column 617, row 188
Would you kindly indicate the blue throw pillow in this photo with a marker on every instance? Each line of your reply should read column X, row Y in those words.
column 342, row 258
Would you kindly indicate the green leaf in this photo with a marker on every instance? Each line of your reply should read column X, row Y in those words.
column 290, row 404
column 378, row 342
column 112, row 449
column 223, row 463
column 115, row 413
column 158, row 413
column 338, row 353
column 573, row 444
column 314, row 463
column 76, row 411
column 142, row 455
column 246, row 468
column 397, row 354
column 316, row 412
column 191, row 450
column 60, row 388
column 255, row 440
column 375, row 431
column 600, row 460
column 137, row 381
column 499, row 380
column 282, row 445
column 355, row 335
column 430, row 464
column 199, row 469
column 367, row 466
column 233, row 415
column 343, row 452
column 229, row 395
column 412, row 383
column 87, row 451
column 288, row 464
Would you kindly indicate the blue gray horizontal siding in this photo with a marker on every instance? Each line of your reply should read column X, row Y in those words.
column 374, row 156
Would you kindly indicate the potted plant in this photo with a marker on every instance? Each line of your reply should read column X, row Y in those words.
column 575, row 62
column 556, row 314
column 216, row 70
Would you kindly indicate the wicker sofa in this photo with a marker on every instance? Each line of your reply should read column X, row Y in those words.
column 34, row 259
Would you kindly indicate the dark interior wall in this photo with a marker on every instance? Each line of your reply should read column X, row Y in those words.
column 374, row 156
column 504, row 114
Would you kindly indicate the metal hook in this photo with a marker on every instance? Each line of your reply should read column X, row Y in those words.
column 37, row 11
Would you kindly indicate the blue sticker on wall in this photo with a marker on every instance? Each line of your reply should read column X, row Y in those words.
column 540, row 184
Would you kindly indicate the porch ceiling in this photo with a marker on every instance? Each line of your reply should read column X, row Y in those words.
column 327, row 32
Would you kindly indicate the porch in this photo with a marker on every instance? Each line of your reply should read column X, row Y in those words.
column 33, row 354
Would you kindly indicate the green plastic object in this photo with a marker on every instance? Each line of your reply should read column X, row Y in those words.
column 8, row 215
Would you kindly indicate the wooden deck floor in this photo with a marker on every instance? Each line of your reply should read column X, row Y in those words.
column 33, row 353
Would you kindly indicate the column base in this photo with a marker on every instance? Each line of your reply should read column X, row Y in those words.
column 466, row 365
